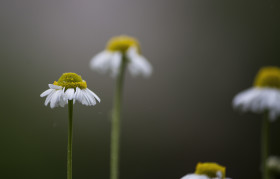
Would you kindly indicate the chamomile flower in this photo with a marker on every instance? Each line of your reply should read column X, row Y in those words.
column 122, row 49
column 207, row 170
column 264, row 96
column 70, row 86
column 121, row 52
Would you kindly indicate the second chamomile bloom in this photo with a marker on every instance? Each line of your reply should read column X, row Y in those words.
column 264, row 96
column 122, row 49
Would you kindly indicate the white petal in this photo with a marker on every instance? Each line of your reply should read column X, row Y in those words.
column 49, row 97
column 78, row 95
column 219, row 174
column 89, row 100
column 245, row 99
column 195, row 176
column 70, row 92
column 138, row 65
column 47, row 92
column 63, row 99
column 84, row 100
column 54, row 99
column 52, row 86
column 259, row 100
column 93, row 94
column 57, row 96
column 85, row 96
column 116, row 63
column 102, row 61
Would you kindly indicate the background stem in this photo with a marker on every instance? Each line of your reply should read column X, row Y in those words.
column 70, row 134
column 115, row 134
column 265, row 145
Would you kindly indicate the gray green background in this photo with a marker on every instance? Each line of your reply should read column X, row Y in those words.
column 203, row 53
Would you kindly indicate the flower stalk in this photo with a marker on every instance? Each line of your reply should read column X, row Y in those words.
column 70, row 134
column 265, row 145
column 116, row 122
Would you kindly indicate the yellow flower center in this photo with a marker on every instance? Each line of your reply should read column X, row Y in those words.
column 71, row 80
column 268, row 77
column 210, row 169
column 122, row 43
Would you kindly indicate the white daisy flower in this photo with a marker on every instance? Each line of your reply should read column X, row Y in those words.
column 70, row 86
column 264, row 96
column 207, row 170
column 122, row 49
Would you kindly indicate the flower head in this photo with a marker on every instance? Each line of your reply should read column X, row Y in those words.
column 122, row 44
column 122, row 49
column 207, row 170
column 69, row 86
column 264, row 96
column 268, row 77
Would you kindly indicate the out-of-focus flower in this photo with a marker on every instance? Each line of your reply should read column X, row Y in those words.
column 273, row 164
column 264, row 96
column 122, row 49
column 207, row 170
column 70, row 86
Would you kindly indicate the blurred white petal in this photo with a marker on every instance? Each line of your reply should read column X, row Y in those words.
column 116, row 63
column 102, row 61
column 138, row 65
column 195, row 176
column 107, row 61
column 259, row 100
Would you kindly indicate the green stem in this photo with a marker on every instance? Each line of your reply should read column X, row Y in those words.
column 115, row 133
column 265, row 145
column 70, row 134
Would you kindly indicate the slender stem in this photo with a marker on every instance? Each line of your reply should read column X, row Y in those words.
column 115, row 133
column 265, row 145
column 70, row 134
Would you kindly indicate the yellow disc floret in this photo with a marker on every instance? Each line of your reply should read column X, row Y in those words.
column 268, row 77
column 122, row 43
column 210, row 169
column 71, row 80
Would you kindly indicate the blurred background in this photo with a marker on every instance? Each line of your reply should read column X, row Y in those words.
column 203, row 53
